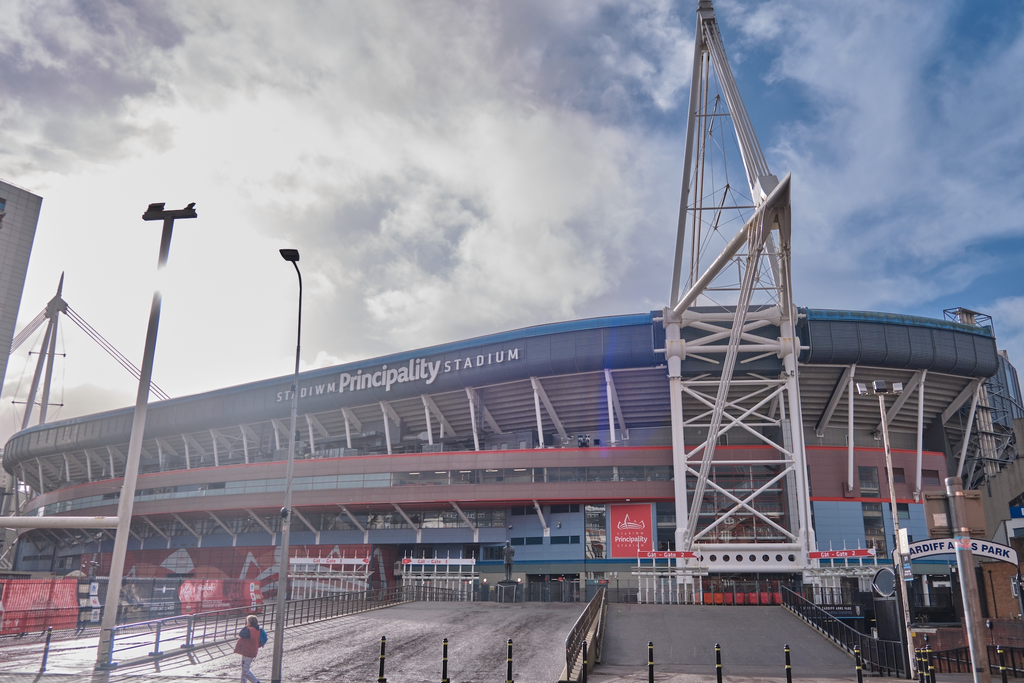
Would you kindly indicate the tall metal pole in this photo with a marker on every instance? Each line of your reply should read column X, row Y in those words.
column 131, row 467
column 968, row 581
column 897, row 555
column 282, row 570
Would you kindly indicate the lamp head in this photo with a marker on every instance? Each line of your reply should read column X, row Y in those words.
column 862, row 389
column 290, row 255
column 879, row 387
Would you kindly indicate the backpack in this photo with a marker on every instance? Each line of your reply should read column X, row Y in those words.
column 263, row 637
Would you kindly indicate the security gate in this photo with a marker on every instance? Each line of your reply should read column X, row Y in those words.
column 457, row 574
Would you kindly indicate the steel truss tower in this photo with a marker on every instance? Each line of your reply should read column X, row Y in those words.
column 734, row 309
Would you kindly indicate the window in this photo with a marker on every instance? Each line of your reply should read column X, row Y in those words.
column 520, row 511
column 564, row 540
column 903, row 510
column 493, row 552
column 528, row 540
column 557, row 509
column 868, row 482
column 898, row 477
column 930, row 477
column 874, row 527
column 596, row 533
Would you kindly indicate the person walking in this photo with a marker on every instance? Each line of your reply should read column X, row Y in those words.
column 250, row 639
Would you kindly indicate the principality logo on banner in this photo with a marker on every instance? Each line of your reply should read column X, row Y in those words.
column 632, row 530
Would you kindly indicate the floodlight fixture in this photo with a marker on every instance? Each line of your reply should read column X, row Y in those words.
column 879, row 387
column 290, row 255
column 862, row 389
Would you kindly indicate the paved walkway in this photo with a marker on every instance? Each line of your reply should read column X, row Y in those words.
column 348, row 648
column 684, row 637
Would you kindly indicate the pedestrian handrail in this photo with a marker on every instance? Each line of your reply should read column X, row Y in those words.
column 958, row 660
column 589, row 628
column 885, row 657
column 145, row 641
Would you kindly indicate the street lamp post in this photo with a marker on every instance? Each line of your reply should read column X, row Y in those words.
column 155, row 212
column 881, row 390
column 292, row 256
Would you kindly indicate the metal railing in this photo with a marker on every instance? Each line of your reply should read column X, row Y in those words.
column 146, row 641
column 885, row 657
column 590, row 626
column 958, row 660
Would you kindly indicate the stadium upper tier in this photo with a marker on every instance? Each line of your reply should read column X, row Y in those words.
column 479, row 393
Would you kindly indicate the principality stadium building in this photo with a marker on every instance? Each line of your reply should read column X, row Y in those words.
column 731, row 436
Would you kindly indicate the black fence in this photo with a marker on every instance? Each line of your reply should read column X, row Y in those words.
column 1000, row 657
column 884, row 657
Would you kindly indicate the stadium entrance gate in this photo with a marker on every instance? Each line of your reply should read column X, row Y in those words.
column 317, row 577
column 458, row 574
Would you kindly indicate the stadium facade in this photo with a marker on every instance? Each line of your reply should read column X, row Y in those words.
column 557, row 438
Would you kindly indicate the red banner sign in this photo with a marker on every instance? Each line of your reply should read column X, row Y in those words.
column 632, row 530
column 841, row 554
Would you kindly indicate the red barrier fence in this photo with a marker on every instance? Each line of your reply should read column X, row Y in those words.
column 28, row 605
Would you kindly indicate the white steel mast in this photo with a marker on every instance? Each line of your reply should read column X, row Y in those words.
column 746, row 288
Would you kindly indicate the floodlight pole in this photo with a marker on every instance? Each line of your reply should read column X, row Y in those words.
column 897, row 554
column 968, row 581
column 292, row 256
column 155, row 212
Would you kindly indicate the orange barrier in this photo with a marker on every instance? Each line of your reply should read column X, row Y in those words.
column 28, row 605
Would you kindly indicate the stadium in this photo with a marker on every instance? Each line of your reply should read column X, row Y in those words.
column 722, row 438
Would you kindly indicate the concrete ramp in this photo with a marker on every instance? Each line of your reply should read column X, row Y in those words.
column 684, row 636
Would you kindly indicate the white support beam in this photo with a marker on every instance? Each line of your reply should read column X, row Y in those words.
column 419, row 531
column 536, row 410
column 979, row 387
column 160, row 455
column 849, row 428
column 216, row 452
column 897, row 405
column 837, row 394
column 67, row 468
column 351, row 417
column 232, row 534
column 538, row 390
column 476, row 530
column 540, row 514
column 612, row 398
column 88, row 466
column 366, row 534
column 309, row 526
column 164, row 444
column 920, row 435
column 42, row 482
column 384, row 407
column 279, row 430
column 188, row 456
column 195, row 533
column 312, row 420
column 960, row 399
column 428, row 402
column 157, row 529
column 312, row 442
column 58, row 522
column 191, row 441
column 110, row 457
column 247, row 434
column 430, row 427
column 472, row 417
column 273, row 536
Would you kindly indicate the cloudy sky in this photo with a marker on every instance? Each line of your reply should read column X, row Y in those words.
column 449, row 169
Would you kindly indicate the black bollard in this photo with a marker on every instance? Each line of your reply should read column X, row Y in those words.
column 718, row 662
column 931, row 663
column 1002, row 663
column 650, row 661
column 508, row 676
column 584, row 679
column 46, row 649
column 380, row 674
column 856, row 657
column 918, row 657
column 444, row 661
column 789, row 669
